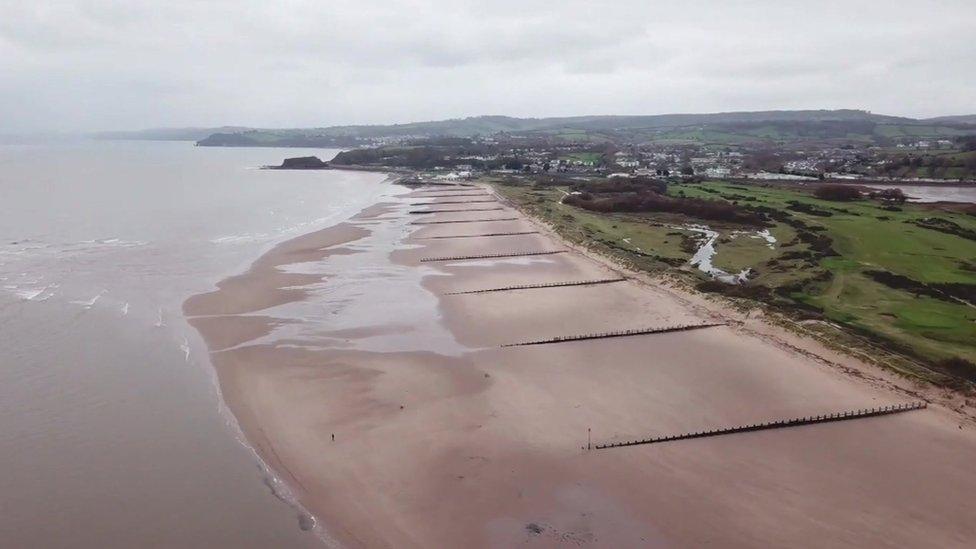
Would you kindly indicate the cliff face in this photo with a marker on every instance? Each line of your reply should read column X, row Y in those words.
column 303, row 163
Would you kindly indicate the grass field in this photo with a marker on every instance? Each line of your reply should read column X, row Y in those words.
column 866, row 237
column 592, row 158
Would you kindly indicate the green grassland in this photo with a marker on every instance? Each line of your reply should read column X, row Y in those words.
column 917, row 130
column 835, row 289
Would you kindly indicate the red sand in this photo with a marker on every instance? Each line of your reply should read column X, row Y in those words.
column 483, row 448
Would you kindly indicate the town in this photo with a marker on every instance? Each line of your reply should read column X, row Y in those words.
column 905, row 159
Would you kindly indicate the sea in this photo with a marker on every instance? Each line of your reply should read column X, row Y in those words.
column 112, row 431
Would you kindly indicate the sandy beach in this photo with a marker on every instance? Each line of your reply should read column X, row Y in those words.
column 443, row 437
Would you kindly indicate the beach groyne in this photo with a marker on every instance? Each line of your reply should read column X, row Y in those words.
column 538, row 286
column 490, row 256
column 452, row 195
column 423, row 212
column 778, row 424
column 482, row 235
column 464, row 221
column 453, row 202
column 617, row 333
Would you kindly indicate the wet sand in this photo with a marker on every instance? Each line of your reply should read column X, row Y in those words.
column 445, row 439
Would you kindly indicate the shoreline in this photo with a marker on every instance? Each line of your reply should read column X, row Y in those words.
column 200, row 314
column 773, row 327
column 453, row 400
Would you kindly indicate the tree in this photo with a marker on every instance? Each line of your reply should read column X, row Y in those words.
column 891, row 195
column 970, row 162
column 967, row 142
column 687, row 170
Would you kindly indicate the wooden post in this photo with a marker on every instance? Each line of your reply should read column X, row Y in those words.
column 589, row 442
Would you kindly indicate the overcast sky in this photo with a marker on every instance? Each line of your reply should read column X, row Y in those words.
column 127, row 64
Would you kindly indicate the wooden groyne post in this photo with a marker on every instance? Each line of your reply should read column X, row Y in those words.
column 542, row 285
column 490, row 256
column 476, row 235
column 454, row 202
column 464, row 221
column 779, row 424
column 618, row 333
column 422, row 212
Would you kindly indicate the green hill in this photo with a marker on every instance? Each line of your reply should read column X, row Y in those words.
column 729, row 127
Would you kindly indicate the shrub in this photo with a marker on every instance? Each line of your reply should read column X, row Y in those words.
column 616, row 185
column 958, row 367
column 804, row 207
column 716, row 210
column 890, row 195
column 838, row 193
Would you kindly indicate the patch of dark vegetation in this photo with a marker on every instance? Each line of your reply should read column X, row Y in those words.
column 617, row 185
column 892, row 209
column 896, row 196
column 837, row 193
column 689, row 243
column 807, row 208
column 968, row 266
column 958, row 367
column 797, row 254
column 952, row 292
column 757, row 292
column 822, row 245
column 770, row 213
column 958, row 290
column 883, row 218
column 428, row 154
column 778, row 299
column 672, row 261
column 945, row 226
column 302, row 163
column 545, row 181
column 713, row 210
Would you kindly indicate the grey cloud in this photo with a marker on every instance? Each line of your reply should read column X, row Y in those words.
column 85, row 65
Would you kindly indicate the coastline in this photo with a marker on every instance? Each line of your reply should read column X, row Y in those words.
column 774, row 328
column 444, row 439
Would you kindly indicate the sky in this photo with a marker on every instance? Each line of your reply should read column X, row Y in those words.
column 74, row 66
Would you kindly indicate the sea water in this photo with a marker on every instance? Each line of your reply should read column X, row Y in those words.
column 111, row 428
